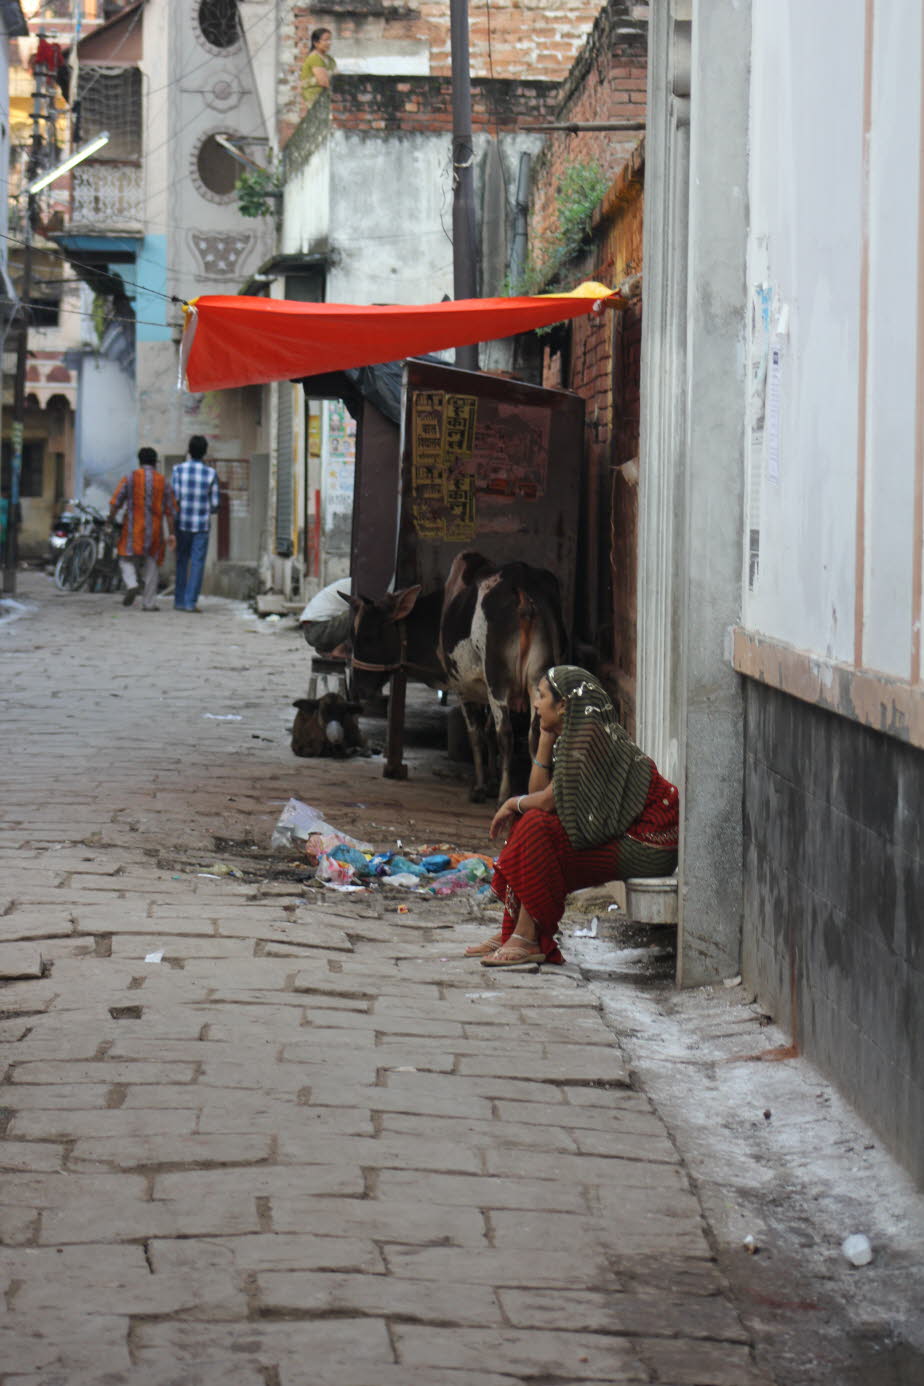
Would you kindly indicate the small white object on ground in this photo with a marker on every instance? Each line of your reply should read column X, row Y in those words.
column 732, row 981
column 750, row 1245
column 223, row 716
column 154, row 957
column 588, row 933
column 857, row 1249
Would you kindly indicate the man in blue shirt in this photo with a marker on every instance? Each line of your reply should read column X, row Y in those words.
column 195, row 488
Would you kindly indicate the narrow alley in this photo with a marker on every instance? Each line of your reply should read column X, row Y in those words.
column 257, row 1137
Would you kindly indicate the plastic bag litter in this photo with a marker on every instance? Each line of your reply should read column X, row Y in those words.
column 334, row 871
column 470, row 871
column 403, row 879
column 400, row 866
column 299, row 822
column 439, row 861
column 352, row 856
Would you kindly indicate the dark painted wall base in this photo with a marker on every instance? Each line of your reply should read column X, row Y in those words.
column 833, row 938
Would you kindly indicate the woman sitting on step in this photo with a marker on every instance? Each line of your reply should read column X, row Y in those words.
column 596, row 810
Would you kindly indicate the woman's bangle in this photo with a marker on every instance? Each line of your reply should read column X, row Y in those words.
column 539, row 764
column 519, row 802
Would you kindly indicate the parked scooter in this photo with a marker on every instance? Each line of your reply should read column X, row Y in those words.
column 62, row 528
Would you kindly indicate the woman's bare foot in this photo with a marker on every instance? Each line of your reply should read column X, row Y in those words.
column 481, row 950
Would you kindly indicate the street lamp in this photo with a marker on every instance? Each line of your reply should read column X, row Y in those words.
column 77, row 157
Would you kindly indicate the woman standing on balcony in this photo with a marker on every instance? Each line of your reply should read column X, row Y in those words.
column 317, row 67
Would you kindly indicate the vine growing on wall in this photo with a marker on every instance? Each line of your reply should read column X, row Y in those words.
column 579, row 194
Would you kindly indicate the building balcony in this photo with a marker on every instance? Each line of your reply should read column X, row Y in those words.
column 107, row 198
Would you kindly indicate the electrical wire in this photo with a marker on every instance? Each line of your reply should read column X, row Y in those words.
column 86, row 313
column 95, row 270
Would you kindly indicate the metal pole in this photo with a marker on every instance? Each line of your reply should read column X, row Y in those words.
column 520, row 227
column 464, row 266
column 17, row 424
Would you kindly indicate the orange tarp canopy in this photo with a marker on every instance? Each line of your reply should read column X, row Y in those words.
column 230, row 340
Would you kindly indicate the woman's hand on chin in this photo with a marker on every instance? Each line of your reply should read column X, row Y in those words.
column 504, row 816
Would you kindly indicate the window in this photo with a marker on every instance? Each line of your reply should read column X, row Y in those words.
column 31, row 478
column 109, row 98
column 218, row 22
column 218, row 170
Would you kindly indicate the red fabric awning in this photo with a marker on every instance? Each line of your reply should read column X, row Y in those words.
column 230, row 340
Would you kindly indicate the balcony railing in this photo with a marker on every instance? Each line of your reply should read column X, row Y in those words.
column 107, row 197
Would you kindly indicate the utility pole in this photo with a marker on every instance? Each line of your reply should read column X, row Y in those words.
column 464, row 262
column 17, row 423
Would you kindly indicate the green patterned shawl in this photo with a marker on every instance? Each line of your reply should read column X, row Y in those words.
column 601, row 778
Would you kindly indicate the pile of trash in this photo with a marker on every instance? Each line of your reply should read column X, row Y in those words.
column 344, row 863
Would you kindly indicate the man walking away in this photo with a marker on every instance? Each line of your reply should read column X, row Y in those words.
column 148, row 501
column 195, row 489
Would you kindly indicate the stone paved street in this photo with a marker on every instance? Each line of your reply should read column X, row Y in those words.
column 311, row 1143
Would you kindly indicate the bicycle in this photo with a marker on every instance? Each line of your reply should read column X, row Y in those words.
column 89, row 560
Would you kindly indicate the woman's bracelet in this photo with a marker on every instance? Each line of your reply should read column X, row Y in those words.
column 539, row 764
column 519, row 802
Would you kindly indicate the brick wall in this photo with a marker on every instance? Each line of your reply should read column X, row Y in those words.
column 509, row 39
column 606, row 83
column 425, row 103
column 599, row 356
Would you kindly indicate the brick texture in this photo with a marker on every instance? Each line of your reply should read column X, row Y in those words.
column 599, row 357
column 508, row 38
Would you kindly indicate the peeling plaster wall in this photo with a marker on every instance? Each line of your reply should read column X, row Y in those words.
column 847, row 373
column 833, row 938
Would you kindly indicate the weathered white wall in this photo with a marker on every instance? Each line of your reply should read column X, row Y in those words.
column 306, row 205
column 808, row 195
column 376, row 255
column 107, row 424
column 894, row 366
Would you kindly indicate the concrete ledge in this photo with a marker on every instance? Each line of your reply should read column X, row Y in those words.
column 889, row 705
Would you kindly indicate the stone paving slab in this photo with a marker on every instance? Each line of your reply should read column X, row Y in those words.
column 19, row 960
column 314, row 1143
column 653, row 1315
column 120, row 1277
column 35, row 923
column 639, row 1223
column 266, row 1252
column 571, row 1356
column 407, row 1222
column 481, row 1265
column 166, row 1149
column 64, row 1341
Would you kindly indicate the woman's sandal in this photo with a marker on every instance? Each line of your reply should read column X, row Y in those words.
column 514, row 953
column 482, row 950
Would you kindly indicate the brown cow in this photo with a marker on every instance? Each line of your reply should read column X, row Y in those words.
column 501, row 628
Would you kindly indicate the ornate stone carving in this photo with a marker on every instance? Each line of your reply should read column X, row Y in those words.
column 219, row 252
column 224, row 91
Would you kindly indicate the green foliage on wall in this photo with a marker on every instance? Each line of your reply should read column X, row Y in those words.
column 257, row 193
column 579, row 194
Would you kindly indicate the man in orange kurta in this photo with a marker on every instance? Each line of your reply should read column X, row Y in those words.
column 148, row 501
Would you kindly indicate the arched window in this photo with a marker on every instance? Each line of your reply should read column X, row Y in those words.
column 217, row 170
column 218, row 22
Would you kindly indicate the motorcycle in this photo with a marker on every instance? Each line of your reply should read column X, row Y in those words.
column 62, row 528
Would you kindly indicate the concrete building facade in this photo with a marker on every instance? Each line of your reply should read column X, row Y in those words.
column 782, row 518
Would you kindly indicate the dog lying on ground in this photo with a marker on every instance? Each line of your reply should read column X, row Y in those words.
column 327, row 726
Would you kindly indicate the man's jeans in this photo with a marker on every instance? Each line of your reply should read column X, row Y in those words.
column 191, row 548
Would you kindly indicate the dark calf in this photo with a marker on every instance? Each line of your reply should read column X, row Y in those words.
column 327, row 726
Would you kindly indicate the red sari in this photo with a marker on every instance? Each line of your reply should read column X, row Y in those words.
column 539, row 867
